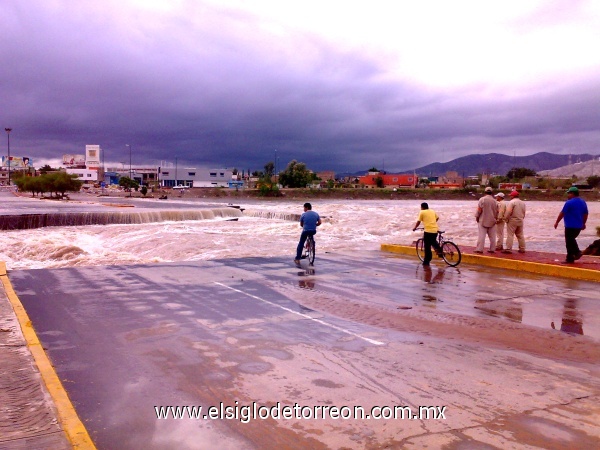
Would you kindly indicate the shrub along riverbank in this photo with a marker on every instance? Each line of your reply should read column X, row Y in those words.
column 368, row 194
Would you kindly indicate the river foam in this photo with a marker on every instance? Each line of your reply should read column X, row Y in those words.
column 267, row 228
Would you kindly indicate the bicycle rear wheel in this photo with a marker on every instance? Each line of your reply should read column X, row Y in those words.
column 451, row 253
column 310, row 243
column 420, row 249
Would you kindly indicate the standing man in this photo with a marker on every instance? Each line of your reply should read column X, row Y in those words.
column 486, row 216
column 575, row 213
column 500, row 221
column 429, row 219
column 309, row 221
column 515, row 216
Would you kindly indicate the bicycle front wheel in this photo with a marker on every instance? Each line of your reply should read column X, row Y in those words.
column 451, row 253
column 421, row 249
column 311, row 250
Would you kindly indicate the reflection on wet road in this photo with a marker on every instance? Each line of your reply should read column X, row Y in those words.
column 506, row 295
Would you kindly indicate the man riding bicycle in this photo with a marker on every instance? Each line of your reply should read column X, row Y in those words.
column 309, row 221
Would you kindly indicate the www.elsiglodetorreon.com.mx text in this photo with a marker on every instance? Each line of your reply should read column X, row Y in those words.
column 247, row 413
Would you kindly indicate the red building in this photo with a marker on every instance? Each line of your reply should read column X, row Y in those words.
column 390, row 180
column 511, row 186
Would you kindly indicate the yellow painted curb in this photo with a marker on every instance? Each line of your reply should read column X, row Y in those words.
column 510, row 264
column 67, row 416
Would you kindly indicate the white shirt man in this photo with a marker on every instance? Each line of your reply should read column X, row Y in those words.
column 486, row 215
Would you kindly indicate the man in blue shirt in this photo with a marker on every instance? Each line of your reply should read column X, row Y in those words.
column 309, row 221
column 575, row 213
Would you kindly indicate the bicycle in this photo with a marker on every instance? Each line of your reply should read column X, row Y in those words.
column 450, row 251
column 309, row 250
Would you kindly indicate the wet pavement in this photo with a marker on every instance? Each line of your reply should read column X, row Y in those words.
column 28, row 416
column 366, row 330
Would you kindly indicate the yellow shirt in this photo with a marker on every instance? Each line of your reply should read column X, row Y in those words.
column 429, row 219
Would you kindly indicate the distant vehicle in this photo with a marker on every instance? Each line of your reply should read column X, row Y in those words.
column 180, row 186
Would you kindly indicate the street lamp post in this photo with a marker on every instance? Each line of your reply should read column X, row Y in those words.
column 8, row 130
column 130, row 175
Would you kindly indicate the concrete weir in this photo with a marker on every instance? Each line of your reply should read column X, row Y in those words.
column 64, row 219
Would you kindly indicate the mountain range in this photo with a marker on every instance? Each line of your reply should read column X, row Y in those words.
column 496, row 163
column 580, row 169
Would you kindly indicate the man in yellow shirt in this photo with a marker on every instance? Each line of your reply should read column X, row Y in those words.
column 429, row 219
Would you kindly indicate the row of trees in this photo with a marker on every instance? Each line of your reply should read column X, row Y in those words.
column 55, row 183
column 295, row 175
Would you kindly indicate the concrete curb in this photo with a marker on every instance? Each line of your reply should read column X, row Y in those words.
column 67, row 416
column 510, row 264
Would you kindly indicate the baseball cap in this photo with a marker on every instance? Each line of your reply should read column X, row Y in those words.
column 499, row 194
column 488, row 189
column 573, row 189
column 514, row 194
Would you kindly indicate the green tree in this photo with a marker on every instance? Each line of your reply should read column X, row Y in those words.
column 21, row 182
column 128, row 183
column 46, row 168
column 57, row 182
column 144, row 190
column 593, row 181
column 61, row 182
column 265, row 184
column 269, row 169
column 295, row 175
column 494, row 182
column 373, row 169
column 516, row 173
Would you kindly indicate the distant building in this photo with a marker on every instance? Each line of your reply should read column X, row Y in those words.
column 326, row 175
column 444, row 186
column 390, row 180
column 145, row 176
column 453, row 177
column 85, row 175
column 510, row 186
column 192, row 177
column 111, row 177
column 92, row 157
column 86, row 167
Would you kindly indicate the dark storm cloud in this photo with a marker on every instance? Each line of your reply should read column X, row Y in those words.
column 213, row 88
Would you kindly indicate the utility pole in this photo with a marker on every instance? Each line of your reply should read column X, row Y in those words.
column 130, row 175
column 8, row 130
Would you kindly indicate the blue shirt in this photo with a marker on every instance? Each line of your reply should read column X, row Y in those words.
column 309, row 220
column 574, row 210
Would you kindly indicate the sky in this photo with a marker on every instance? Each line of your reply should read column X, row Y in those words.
column 338, row 85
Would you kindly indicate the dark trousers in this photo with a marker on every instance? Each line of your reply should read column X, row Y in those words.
column 430, row 240
column 303, row 237
column 572, row 247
